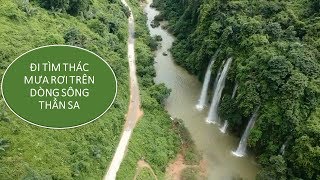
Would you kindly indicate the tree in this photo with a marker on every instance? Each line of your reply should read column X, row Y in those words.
column 4, row 144
column 76, row 7
column 306, row 151
column 276, row 169
column 98, row 27
column 315, row 5
column 160, row 92
column 74, row 37
column 57, row 5
column 275, row 46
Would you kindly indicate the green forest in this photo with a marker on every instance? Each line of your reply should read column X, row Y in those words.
column 275, row 46
column 31, row 152
column 156, row 139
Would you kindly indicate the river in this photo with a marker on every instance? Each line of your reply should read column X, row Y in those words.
column 215, row 146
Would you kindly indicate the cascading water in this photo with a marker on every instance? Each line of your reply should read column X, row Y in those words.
column 213, row 112
column 283, row 147
column 223, row 129
column 181, row 104
column 204, row 91
column 241, row 150
column 218, row 76
column 234, row 90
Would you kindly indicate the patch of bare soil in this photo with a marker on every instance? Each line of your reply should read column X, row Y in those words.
column 142, row 164
column 174, row 170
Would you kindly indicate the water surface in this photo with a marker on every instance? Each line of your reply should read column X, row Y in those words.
column 215, row 146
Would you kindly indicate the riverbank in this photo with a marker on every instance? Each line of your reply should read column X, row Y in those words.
column 215, row 146
column 269, row 92
column 156, row 139
column 153, row 140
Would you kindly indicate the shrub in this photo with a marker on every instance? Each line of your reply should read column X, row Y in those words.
column 97, row 27
column 78, row 6
column 158, row 38
column 57, row 5
column 155, row 24
column 72, row 7
column 190, row 173
column 125, row 10
column 4, row 144
column 160, row 92
column 74, row 37
column 153, row 44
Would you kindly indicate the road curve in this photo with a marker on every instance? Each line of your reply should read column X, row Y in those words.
column 134, row 111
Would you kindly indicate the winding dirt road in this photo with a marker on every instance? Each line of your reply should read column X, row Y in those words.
column 134, row 111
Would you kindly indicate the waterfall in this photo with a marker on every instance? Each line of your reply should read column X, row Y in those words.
column 241, row 150
column 213, row 112
column 203, row 95
column 234, row 90
column 223, row 129
column 218, row 76
column 283, row 147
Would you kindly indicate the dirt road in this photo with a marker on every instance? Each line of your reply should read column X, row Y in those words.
column 134, row 111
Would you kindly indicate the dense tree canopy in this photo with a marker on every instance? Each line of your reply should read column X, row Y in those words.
column 30, row 152
column 276, row 51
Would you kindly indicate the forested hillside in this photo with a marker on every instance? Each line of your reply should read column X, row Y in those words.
column 155, row 139
column 31, row 152
column 276, row 64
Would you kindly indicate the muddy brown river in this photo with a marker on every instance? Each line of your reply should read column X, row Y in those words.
column 215, row 146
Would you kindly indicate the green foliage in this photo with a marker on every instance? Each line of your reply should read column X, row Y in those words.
column 159, row 92
column 191, row 155
column 189, row 150
column 228, row 110
column 97, row 27
column 275, row 170
column 155, row 23
column 275, row 46
column 74, row 37
column 32, row 175
column 4, row 144
column 78, row 6
column 190, row 173
column 125, row 10
column 155, row 138
column 82, row 153
column 25, row 6
column 315, row 6
column 158, row 38
column 145, row 173
column 72, row 7
column 61, row 5
column 154, row 44
column 306, row 150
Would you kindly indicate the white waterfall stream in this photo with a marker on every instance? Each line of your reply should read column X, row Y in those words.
column 241, row 150
column 204, row 91
column 213, row 112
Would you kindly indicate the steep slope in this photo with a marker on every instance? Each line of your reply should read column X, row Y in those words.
column 32, row 152
column 134, row 111
column 275, row 47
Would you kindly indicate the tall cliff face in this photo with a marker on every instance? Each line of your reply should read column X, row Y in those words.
column 275, row 46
